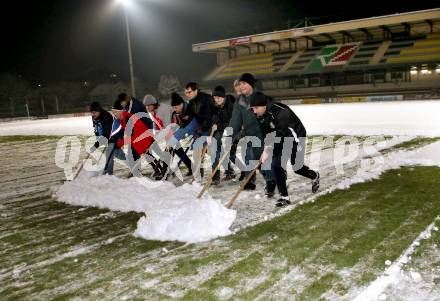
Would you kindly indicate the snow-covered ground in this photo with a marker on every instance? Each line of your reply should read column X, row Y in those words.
column 372, row 118
column 33, row 173
column 56, row 127
column 394, row 274
column 375, row 118
column 29, row 172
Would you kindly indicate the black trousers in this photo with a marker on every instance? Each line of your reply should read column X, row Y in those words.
column 279, row 171
column 185, row 159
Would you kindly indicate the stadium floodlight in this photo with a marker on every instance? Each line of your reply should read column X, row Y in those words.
column 437, row 69
column 126, row 4
column 424, row 71
column 413, row 71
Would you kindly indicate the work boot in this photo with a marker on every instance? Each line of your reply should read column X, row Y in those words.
column 160, row 173
column 315, row 183
column 216, row 178
column 189, row 173
column 283, row 201
column 249, row 186
column 229, row 175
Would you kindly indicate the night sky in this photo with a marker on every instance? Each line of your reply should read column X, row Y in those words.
column 85, row 39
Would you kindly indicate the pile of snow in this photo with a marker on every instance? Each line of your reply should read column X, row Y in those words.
column 171, row 213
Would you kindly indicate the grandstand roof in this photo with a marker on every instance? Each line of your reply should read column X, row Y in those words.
column 369, row 27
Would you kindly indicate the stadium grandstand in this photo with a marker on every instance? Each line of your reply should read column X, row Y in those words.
column 393, row 56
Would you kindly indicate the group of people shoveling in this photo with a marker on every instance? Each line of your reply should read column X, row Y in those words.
column 270, row 132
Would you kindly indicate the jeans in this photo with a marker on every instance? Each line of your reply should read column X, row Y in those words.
column 110, row 153
column 218, row 153
column 189, row 129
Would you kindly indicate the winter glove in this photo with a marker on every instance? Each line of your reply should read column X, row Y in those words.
column 264, row 156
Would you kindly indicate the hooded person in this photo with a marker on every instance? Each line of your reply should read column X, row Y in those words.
column 279, row 121
column 244, row 124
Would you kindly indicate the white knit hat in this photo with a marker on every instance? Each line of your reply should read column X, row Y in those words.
column 149, row 100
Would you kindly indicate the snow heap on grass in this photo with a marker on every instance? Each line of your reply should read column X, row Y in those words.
column 171, row 213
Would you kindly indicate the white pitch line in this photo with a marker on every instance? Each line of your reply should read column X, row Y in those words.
column 390, row 276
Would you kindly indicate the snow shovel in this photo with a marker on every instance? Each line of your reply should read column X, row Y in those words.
column 246, row 180
column 82, row 163
column 168, row 172
column 155, row 163
column 80, row 167
column 208, row 183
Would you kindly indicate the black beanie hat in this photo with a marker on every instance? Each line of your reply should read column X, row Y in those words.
column 95, row 107
column 258, row 99
column 122, row 96
column 248, row 78
column 117, row 105
column 176, row 99
column 219, row 91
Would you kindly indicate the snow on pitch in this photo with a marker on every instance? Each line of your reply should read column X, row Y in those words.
column 372, row 118
column 381, row 118
column 56, row 126
column 171, row 213
column 394, row 273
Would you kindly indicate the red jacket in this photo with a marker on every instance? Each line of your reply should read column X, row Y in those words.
column 157, row 121
column 141, row 137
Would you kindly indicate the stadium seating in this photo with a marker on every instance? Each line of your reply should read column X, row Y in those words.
column 280, row 59
column 365, row 53
column 304, row 60
column 417, row 49
column 348, row 56
column 262, row 63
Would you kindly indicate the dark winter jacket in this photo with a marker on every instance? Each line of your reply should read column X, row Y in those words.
column 103, row 125
column 243, row 120
column 135, row 106
column 202, row 106
column 279, row 118
column 222, row 115
column 184, row 118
